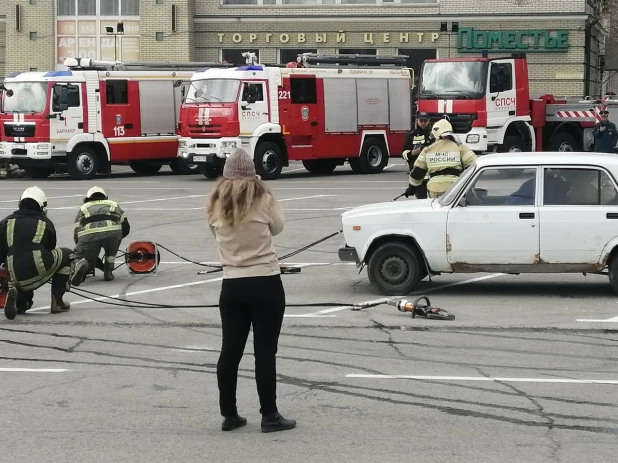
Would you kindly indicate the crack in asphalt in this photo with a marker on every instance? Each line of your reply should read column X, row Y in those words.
column 390, row 342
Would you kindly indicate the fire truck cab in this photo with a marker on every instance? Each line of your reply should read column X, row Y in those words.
column 322, row 110
column 93, row 115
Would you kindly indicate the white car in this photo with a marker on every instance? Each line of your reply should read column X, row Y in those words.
column 508, row 213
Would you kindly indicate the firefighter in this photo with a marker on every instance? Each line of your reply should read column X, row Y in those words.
column 414, row 143
column 605, row 134
column 28, row 250
column 100, row 223
column 444, row 161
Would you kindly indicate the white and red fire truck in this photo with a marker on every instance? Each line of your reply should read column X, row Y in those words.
column 322, row 110
column 487, row 100
column 95, row 114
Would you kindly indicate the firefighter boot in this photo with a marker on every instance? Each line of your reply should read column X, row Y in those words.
column 58, row 305
column 80, row 269
column 10, row 305
column 107, row 273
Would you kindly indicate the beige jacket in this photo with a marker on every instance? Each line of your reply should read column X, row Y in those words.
column 249, row 251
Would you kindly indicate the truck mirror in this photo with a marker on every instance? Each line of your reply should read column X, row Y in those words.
column 199, row 92
column 250, row 99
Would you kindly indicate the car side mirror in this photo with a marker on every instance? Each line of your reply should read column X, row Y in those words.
column 463, row 202
column 250, row 99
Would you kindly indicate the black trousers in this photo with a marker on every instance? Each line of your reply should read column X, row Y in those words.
column 257, row 301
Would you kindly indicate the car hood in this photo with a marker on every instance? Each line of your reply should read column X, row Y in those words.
column 378, row 211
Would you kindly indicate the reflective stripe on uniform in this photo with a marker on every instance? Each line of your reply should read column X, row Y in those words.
column 40, row 230
column 10, row 231
column 110, row 259
column 90, row 231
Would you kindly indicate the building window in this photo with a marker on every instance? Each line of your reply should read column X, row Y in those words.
column 234, row 56
column 416, row 57
column 289, row 55
column 159, row 36
column 358, row 51
column 98, row 7
column 116, row 92
column 328, row 2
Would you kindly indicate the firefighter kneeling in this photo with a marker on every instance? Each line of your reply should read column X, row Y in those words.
column 100, row 223
column 28, row 248
column 444, row 161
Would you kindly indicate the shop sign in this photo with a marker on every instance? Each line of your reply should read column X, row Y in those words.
column 332, row 37
column 470, row 40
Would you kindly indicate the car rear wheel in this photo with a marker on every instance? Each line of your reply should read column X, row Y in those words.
column 395, row 269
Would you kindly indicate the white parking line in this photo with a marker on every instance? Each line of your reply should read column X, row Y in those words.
column 34, row 370
column 483, row 378
column 609, row 320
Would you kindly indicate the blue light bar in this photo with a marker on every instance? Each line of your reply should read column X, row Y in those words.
column 58, row 74
column 250, row 68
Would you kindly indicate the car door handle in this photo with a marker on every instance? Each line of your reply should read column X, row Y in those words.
column 612, row 215
column 526, row 215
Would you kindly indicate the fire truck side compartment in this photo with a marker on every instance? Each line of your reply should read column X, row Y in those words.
column 340, row 105
column 400, row 105
column 158, row 112
column 372, row 101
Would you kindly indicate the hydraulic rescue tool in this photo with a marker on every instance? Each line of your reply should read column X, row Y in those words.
column 421, row 307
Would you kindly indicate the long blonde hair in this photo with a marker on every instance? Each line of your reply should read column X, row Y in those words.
column 232, row 200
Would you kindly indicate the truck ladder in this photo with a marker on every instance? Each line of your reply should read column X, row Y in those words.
column 90, row 64
column 307, row 59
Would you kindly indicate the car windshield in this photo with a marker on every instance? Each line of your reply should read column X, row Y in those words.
column 455, row 79
column 213, row 91
column 450, row 194
column 27, row 97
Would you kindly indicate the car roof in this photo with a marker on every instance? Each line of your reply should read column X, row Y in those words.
column 536, row 158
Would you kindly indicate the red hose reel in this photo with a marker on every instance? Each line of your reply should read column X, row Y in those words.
column 142, row 258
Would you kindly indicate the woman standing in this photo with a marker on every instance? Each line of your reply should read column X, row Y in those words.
column 244, row 216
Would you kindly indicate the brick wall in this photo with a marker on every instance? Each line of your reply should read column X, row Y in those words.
column 549, row 72
column 25, row 54
column 176, row 46
column 444, row 7
column 2, row 46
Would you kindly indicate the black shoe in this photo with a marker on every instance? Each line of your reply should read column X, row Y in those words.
column 275, row 422
column 232, row 422
column 10, row 305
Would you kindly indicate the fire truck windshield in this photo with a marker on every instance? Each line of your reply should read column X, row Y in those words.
column 453, row 79
column 213, row 90
column 27, row 97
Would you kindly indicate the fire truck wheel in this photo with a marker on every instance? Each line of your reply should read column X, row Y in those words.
column 180, row 167
column 395, row 269
column 563, row 142
column 143, row 167
column 38, row 172
column 211, row 172
column 320, row 166
column 374, row 156
column 82, row 163
column 268, row 160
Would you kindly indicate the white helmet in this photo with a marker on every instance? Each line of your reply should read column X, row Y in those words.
column 36, row 194
column 95, row 189
column 441, row 128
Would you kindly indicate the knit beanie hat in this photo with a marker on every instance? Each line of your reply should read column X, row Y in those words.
column 239, row 165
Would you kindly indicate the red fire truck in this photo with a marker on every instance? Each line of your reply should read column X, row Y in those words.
column 93, row 115
column 322, row 110
column 488, row 103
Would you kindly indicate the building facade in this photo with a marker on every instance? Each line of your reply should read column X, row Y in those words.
column 563, row 39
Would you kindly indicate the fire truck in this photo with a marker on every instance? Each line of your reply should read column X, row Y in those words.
column 323, row 110
column 93, row 115
column 488, row 103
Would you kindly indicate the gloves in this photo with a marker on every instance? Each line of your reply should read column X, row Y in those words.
column 411, row 191
column 405, row 154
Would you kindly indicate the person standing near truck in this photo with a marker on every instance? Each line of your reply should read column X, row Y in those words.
column 414, row 143
column 605, row 134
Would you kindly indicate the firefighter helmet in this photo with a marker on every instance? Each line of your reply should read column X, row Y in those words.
column 441, row 128
column 36, row 194
column 94, row 190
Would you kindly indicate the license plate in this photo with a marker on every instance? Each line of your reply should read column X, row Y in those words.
column 19, row 146
column 199, row 158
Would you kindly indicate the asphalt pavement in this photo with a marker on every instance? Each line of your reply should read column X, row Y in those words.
column 527, row 372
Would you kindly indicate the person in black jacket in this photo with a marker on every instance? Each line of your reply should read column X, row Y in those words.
column 28, row 251
column 414, row 143
column 605, row 134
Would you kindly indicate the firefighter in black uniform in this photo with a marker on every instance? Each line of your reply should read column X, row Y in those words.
column 100, row 223
column 28, row 250
column 414, row 143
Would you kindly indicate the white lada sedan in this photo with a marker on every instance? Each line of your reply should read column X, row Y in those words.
column 508, row 213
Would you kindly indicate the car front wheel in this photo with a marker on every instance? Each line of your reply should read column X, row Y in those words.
column 395, row 269
column 613, row 274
